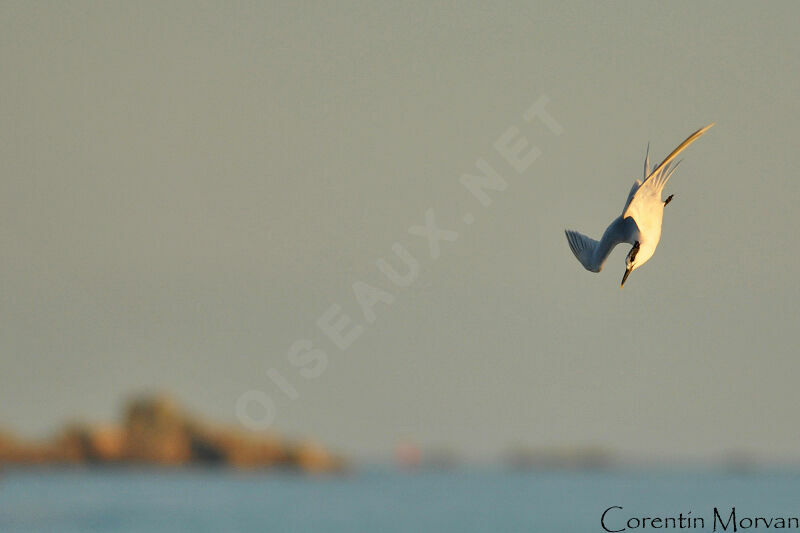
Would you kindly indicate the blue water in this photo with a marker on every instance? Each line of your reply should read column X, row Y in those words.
column 377, row 501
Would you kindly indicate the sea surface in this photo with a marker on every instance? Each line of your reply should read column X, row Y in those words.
column 382, row 500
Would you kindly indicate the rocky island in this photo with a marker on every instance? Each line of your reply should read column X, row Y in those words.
column 156, row 431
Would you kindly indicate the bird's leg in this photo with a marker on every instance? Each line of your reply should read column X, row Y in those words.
column 668, row 200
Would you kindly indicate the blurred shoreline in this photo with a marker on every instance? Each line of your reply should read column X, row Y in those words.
column 156, row 434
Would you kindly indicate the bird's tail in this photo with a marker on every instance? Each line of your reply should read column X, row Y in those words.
column 583, row 247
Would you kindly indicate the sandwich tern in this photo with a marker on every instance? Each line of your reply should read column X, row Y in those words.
column 640, row 222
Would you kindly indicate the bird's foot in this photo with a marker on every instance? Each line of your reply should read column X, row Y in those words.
column 668, row 200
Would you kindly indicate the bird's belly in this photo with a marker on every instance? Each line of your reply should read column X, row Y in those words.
column 650, row 228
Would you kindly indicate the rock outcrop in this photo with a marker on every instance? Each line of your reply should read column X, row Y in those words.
column 156, row 431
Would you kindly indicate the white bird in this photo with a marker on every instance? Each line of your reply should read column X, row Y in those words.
column 640, row 222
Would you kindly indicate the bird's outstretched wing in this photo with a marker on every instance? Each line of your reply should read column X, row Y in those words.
column 659, row 170
column 650, row 191
column 591, row 253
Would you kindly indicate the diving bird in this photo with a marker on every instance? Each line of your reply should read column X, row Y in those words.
column 640, row 222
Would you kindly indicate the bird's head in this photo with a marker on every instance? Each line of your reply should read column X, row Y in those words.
column 631, row 262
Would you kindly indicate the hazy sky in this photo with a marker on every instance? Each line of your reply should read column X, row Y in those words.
column 186, row 188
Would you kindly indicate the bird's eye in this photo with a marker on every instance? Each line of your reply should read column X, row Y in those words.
column 634, row 251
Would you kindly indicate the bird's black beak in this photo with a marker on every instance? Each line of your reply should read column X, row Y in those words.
column 627, row 273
